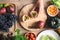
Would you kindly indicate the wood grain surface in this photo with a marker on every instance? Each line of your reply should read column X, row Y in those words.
column 19, row 5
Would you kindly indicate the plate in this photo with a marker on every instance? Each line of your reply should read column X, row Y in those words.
column 48, row 32
column 29, row 22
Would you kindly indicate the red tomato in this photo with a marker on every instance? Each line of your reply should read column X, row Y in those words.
column 30, row 36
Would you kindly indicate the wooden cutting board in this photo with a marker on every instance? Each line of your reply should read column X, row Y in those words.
column 20, row 4
column 29, row 23
column 24, row 3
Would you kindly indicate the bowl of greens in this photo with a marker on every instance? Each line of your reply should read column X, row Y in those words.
column 48, row 35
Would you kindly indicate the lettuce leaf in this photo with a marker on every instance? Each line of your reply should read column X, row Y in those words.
column 56, row 3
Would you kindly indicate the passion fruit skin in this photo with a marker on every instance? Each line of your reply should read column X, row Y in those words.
column 40, row 24
column 10, row 9
column 54, row 22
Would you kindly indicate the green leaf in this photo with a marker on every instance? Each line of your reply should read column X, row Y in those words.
column 17, row 32
column 18, row 36
column 56, row 3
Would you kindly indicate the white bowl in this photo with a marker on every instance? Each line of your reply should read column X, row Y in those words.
column 48, row 32
column 56, row 12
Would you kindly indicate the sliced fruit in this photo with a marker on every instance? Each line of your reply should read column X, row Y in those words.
column 33, row 14
column 10, row 8
column 25, row 17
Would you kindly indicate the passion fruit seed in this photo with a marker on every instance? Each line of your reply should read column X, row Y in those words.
column 33, row 14
column 26, row 18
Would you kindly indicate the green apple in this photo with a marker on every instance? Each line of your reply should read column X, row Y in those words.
column 1, row 5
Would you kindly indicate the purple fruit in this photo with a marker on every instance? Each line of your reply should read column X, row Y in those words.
column 2, row 10
column 40, row 24
column 11, row 9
